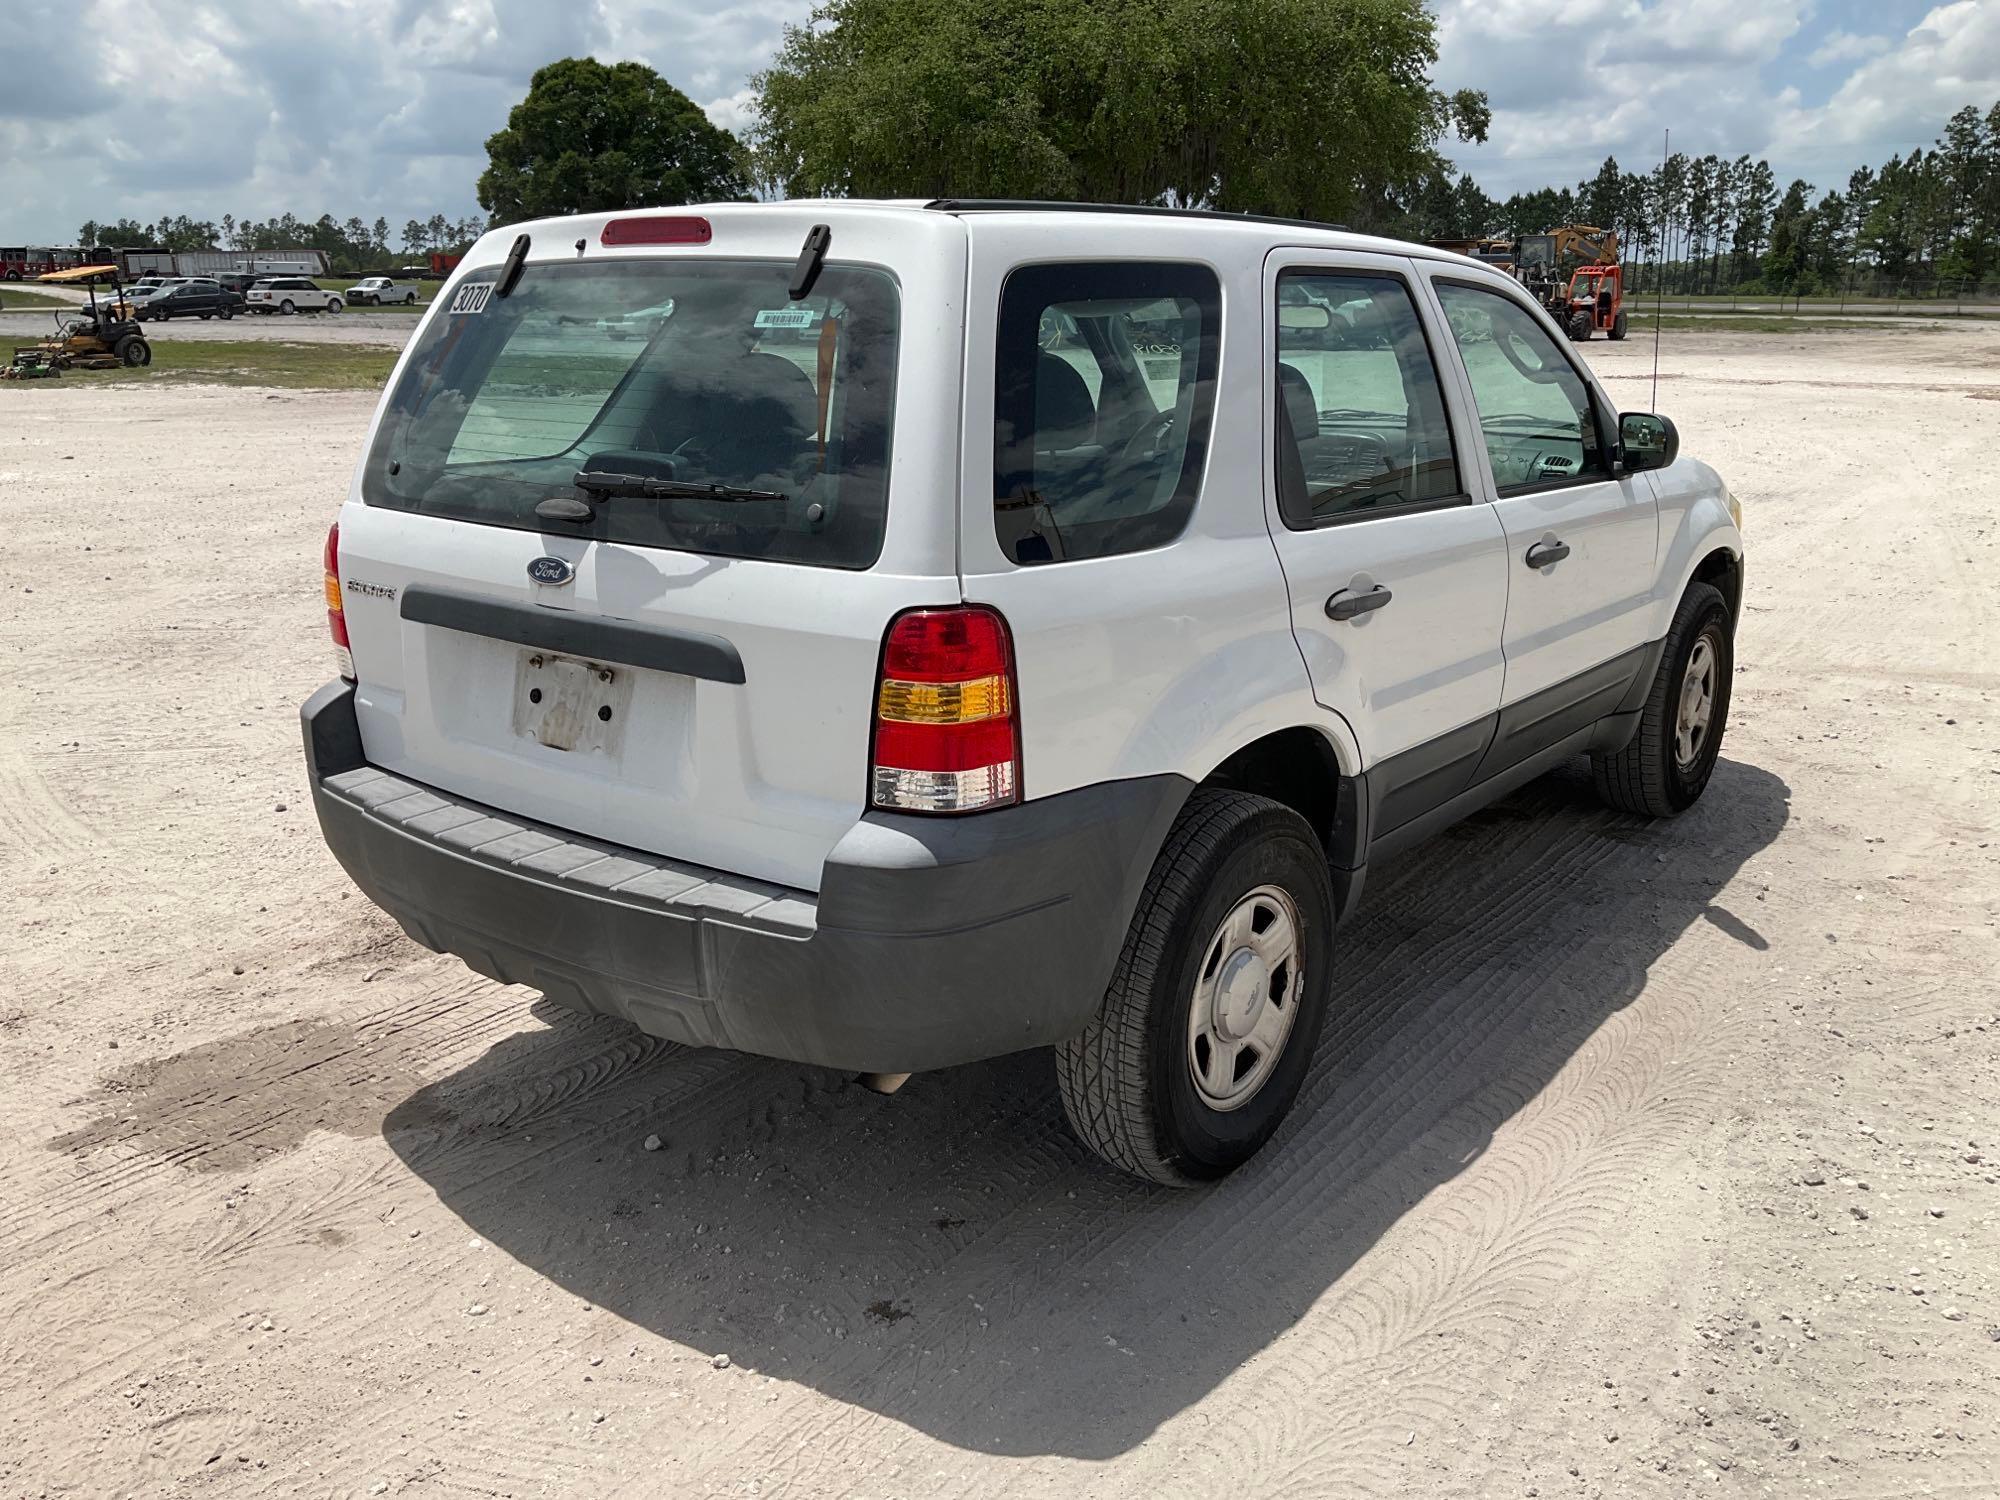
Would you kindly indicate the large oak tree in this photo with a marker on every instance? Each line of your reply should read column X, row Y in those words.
column 590, row 138
column 1314, row 108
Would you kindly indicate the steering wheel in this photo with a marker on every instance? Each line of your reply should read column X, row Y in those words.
column 1150, row 437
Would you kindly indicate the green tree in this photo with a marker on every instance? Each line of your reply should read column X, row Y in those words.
column 590, row 138
column 1316, row 108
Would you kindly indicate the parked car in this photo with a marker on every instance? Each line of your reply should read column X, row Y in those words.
column 924, row 693
column 195, row 297
column 379, row 291
column 239, row 282
column 638, row 322
column 291, row 294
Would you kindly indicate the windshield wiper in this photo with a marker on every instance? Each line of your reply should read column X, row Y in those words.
column 644, row 486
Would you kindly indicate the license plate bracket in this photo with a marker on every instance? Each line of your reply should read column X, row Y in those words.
column 570, row 704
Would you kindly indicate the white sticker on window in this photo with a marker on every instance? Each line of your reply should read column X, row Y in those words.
column 785, row 317
column 472, row 297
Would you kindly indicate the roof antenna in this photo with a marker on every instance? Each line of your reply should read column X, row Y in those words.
column 1659, row 271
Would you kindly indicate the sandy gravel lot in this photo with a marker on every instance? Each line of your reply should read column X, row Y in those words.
column 1643, row 1160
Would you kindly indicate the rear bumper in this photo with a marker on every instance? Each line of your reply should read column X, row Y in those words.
column 932, row 941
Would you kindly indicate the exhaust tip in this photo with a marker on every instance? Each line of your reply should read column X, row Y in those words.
column 882, row 1083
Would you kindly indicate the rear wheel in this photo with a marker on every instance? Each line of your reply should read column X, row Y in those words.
column 228, row 313
column 411, row 300
column 1215, row 1006
column 1666, row 765
column 133, row 351
column 286, row 307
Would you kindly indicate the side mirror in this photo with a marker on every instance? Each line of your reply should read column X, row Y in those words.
column 1647, row 440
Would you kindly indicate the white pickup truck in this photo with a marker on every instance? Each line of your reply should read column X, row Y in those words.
column 381, row 291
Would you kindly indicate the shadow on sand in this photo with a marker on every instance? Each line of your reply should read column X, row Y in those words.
column 932, row 1256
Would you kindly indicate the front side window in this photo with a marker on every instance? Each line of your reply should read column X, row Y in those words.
column 1534, row 409
column 1104, row 391
column 1362, row 428
column 690, row 403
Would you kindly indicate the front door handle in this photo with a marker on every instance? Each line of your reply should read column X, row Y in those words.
column 1346, row 606
column 1547, row 550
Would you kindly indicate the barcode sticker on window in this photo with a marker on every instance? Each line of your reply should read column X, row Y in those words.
column 472, row 297
column 785, row 317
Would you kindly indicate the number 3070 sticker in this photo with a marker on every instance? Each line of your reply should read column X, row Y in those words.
column 472, row 297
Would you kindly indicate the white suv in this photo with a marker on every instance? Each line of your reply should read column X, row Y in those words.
column 290, row 294
column 971, row 627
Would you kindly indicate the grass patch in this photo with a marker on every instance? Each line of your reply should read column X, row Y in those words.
column 18, row 299
column 261, row 362
column 1770, row 323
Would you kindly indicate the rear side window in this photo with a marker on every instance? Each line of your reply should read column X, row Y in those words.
column 689, row 403
column 1534, row 409
column 1362, row 428
column 1104, row 392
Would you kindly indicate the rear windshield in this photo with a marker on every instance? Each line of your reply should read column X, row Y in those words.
column 676, row 374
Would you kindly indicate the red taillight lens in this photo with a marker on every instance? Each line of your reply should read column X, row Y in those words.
column 336, row 613
column 661, row 229
column 947, row 731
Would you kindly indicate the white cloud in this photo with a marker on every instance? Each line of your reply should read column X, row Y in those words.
column 371, row 107
column 1902, row 97
column 1845, row 46
column 1574, row 81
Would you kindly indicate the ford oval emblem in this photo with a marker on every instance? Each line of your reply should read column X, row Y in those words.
column 551, row 570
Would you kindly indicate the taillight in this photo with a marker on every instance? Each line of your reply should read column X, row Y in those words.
column 336, row 614
column 947, row 728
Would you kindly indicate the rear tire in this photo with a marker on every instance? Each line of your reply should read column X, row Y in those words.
column 1666, row 765
column 1211, row 1017
column 286, row 307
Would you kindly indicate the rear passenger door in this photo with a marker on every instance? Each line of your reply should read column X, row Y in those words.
column 1397, row 572
column 1581, row 536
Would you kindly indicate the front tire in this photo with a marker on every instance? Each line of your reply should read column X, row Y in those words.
column 1617, row 330
column 1216, row 1003
column 333, row 305
column 1579, row 327
column 1666, row 765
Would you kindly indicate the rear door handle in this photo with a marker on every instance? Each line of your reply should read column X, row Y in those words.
column 1345, row 606
column 1547, row 551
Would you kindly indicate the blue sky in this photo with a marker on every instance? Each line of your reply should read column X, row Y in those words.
column 380, row 107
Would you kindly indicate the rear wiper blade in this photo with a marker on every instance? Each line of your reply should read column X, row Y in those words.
column 646, row 486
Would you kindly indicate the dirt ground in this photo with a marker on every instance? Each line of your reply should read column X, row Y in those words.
column 1642, row 1160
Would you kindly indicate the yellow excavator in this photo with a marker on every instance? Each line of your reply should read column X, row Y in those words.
column 1573, row 270
column 99, row 336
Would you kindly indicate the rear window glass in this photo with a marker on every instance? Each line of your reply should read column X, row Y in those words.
column 750, row 425
column 1104, row 386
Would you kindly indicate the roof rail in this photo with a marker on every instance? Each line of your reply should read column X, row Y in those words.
column 1039, row 205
